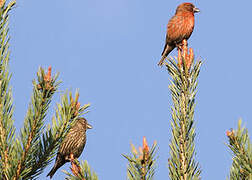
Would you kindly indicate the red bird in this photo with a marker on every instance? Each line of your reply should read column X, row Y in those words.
column 179, row 27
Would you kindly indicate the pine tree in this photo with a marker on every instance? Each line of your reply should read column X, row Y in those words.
column 184, row 74
column 25, row 155
column 182, row 164
column 142, row 163
column 241, row 147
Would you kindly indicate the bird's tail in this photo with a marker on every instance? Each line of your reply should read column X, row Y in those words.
column 58, row 163
column 161, row 62
column 53, row 170
column 166, row 51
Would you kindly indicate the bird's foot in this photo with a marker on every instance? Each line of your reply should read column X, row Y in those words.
column 182, row 45
column 75, row 166
column 71, row 158
column 179, row 46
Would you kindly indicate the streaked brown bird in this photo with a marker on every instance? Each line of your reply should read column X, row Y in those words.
column 72, row 145
column 179, row 27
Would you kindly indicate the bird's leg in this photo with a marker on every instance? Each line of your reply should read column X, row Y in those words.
column 73, row 163
column 184, row 43
column 182, row 52
column 72, row 158
column 179, row 47
column 184, row 49
column 75, row 167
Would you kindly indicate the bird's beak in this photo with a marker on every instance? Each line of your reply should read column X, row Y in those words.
column 195, row 10
column 89, row 126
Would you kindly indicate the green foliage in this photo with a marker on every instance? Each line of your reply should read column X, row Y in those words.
column 84, row 172
column 142, row 164
column 7, row 130
column 241, row 147
column 182, row 164
column 27, row 155
column 34, row 124
column 37, row 145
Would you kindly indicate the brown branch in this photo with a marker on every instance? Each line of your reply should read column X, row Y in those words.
column 4, row 152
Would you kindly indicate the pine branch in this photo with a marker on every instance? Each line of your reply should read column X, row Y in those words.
column 182, row 164
column 7, row 130
column 43, row 91
column 66, row 113
column 81, row 172
column 27, row 156
column 240, row 145
column 143, row 163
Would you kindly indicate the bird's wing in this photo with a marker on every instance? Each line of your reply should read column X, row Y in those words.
column 175, row 30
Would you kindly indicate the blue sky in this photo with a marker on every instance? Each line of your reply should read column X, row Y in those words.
column 109, row 50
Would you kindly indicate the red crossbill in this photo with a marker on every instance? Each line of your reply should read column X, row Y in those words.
column 179, row 27
column 72, row 145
